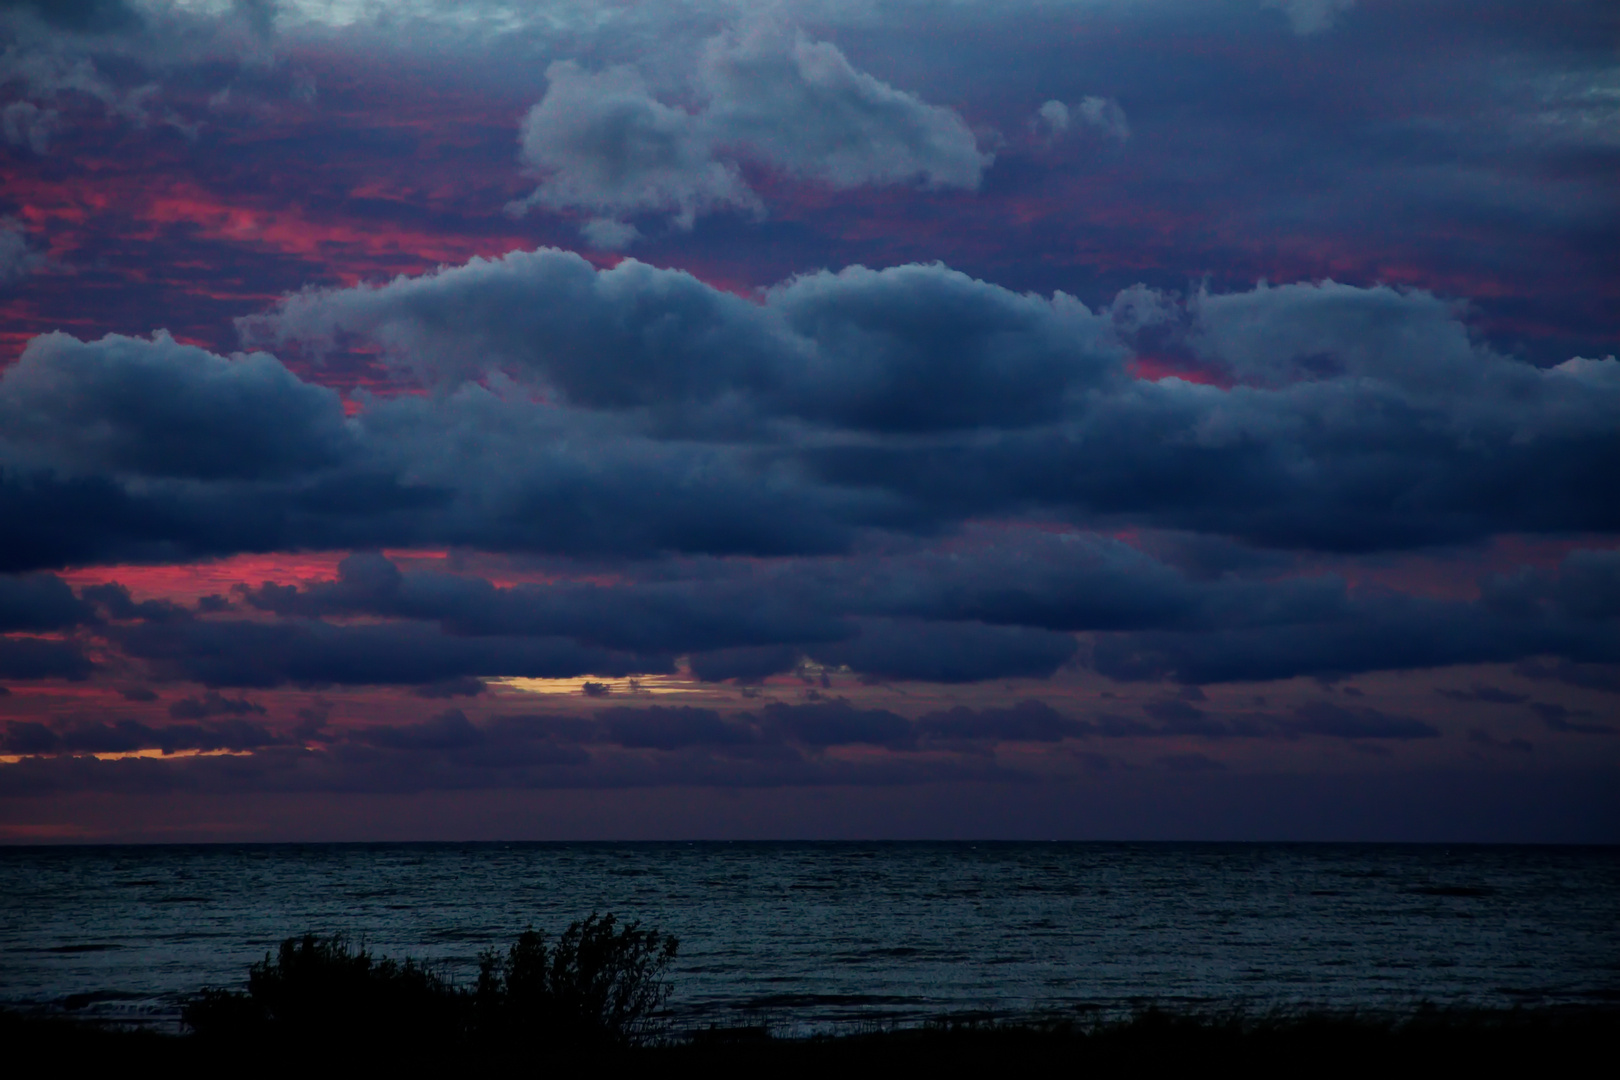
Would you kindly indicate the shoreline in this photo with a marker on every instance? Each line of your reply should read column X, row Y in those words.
column 1432, row 1036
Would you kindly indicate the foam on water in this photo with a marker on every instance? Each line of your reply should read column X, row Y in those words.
column 812, row 936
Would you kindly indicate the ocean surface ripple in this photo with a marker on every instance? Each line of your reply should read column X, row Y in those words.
column 824, row 936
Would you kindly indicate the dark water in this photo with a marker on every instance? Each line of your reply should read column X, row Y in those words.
column 816, row 936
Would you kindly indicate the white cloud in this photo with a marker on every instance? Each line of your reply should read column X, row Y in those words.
column 118, row 53
column 1054, row 114
column 26, row 124
column 44, row 74
column 17, row 259
column 603, row 142
column 800, row 105
column 1103, row 114
column 1311, row 16
column 608, row 234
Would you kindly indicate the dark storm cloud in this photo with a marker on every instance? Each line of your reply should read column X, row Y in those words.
column 442, row 752
column 452, row 688
column 746, row 664
column 913, row 348
column 765, row 621
column 1376, row 634
column 1481, row 737
column 1176, row 717
column 497, row 761
column 819, row 725
column 783, row 745
column 664, row 728
column 1585, row 587
column 1586, row 676
column 54, row 520
column 982, row 611
column 313, row 653
column 740, row 618
column 1027, row 721
column 1332, row 466
column 1189, row 763
column 82, row 16
column 1395, row 449
column 1362, row 419
column 815, row 726
column 43, row 658
column 56, row 56
column 409, row 471
column 1337, row 721
column 516, row 476
column 657, row 746
column 212, row 704
column 448, row 731
column 1559, row 718
column 1072, row 581
column 129, row 736
column 838, row 723
column 39, row 602
column 1359, row 417
column 690, row 615
column 42, row 67
column 947, row 652
column 160, row 409
column 657, row 727
column 115, row 602
column 1493, row 694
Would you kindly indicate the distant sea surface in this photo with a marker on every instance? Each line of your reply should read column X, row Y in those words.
column 823, row 936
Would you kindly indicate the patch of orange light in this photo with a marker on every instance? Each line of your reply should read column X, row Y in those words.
column 154, row 752
column 150, row 752
column 658, row 685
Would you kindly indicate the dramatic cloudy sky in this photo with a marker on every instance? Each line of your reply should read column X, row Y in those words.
column 1047, row 418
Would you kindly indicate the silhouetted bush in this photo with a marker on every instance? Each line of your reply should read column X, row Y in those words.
column 599, row 984
column 321, row 988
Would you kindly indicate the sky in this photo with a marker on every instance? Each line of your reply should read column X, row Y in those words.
column 1051, row 419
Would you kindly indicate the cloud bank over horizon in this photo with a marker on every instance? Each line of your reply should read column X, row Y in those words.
column 764, row 450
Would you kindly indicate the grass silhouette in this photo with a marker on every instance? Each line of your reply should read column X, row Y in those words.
column 601, row 983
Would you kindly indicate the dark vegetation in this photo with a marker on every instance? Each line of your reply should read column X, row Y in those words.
column 596, row 994
column 1430, row 1042
column 600, row 984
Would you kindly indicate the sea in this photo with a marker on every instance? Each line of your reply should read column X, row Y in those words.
column 827, row 937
